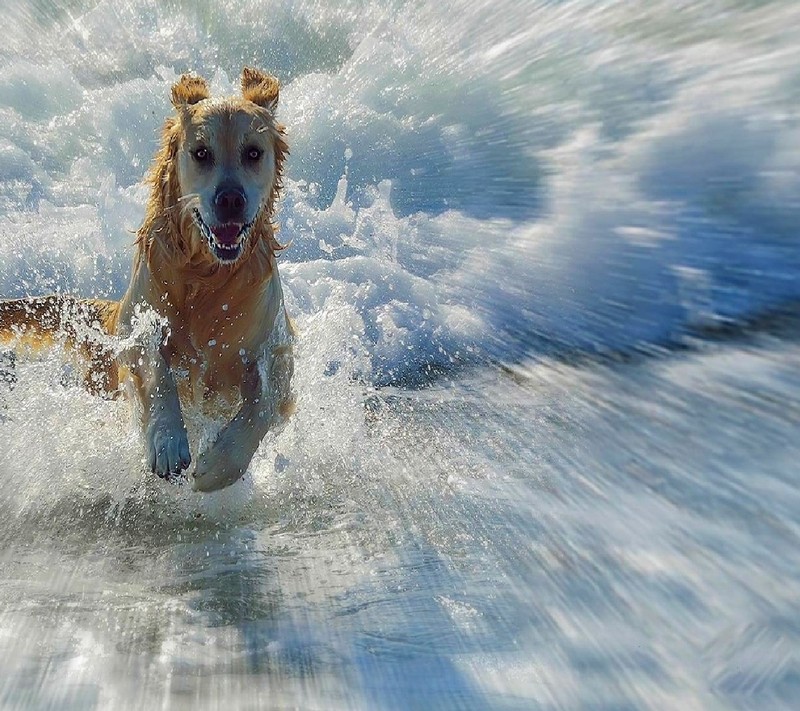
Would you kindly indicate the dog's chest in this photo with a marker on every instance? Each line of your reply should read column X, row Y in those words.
column 215, row 339
column 206, row 377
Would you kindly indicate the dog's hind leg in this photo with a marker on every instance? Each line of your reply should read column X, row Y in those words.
column 8, row 377
column 81, row 324
column 8, row 368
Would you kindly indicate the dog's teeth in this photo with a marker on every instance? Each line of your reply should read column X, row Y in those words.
column 222, row 249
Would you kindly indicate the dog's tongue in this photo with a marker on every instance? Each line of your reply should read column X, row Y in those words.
column 227, row 234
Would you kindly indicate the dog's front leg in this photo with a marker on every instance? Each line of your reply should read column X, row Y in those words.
column 165, row 439
column 266, row 402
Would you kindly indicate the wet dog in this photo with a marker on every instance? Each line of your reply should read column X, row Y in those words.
column 203, row 318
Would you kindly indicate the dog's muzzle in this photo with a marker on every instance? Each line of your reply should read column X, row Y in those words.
column 226, row 241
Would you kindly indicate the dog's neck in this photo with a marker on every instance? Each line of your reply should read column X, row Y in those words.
column 186, row 274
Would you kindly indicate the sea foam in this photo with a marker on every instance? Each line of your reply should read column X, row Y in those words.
column 465, row 188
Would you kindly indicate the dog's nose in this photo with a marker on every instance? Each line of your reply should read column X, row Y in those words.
column 229, row 204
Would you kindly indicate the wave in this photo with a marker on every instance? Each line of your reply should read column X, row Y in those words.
column 467, row 180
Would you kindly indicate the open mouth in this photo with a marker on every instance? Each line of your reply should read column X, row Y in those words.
column 225, row 241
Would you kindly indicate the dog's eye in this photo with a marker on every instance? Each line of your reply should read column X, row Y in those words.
column 201, row 154
column 253, row 154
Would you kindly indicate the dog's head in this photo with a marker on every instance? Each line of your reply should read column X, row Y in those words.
column 220, row 168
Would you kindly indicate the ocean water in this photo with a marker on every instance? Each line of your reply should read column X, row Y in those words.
column 545, row 268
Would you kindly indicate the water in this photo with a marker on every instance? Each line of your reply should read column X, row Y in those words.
column 545, row 270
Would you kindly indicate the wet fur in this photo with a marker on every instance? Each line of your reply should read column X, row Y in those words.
column 221, row 320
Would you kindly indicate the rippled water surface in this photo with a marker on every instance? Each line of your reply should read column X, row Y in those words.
column 545, row 267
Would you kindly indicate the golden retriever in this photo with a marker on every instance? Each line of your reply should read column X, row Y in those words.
column 203, row 319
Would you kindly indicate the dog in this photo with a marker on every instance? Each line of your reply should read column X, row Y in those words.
column 203, row 319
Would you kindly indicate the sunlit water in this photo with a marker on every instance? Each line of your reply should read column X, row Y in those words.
column 545, row 269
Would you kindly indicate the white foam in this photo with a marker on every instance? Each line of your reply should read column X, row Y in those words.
column 467, row 179
column 488, row 190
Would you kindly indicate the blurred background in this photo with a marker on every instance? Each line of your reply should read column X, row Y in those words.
column 545, row 269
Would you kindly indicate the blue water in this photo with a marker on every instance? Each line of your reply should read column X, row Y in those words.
column 545, row 268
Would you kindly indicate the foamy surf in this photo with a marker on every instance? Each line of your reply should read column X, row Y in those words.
column 465, row 512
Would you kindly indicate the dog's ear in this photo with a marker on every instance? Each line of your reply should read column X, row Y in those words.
column 260, row 88
column 189, row 89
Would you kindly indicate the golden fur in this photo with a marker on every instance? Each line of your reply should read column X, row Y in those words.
column 217, row 293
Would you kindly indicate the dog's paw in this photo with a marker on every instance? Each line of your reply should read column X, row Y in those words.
column 167, row 448
column 217, row 468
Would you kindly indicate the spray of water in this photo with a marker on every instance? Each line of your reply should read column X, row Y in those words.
column 488, row 497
